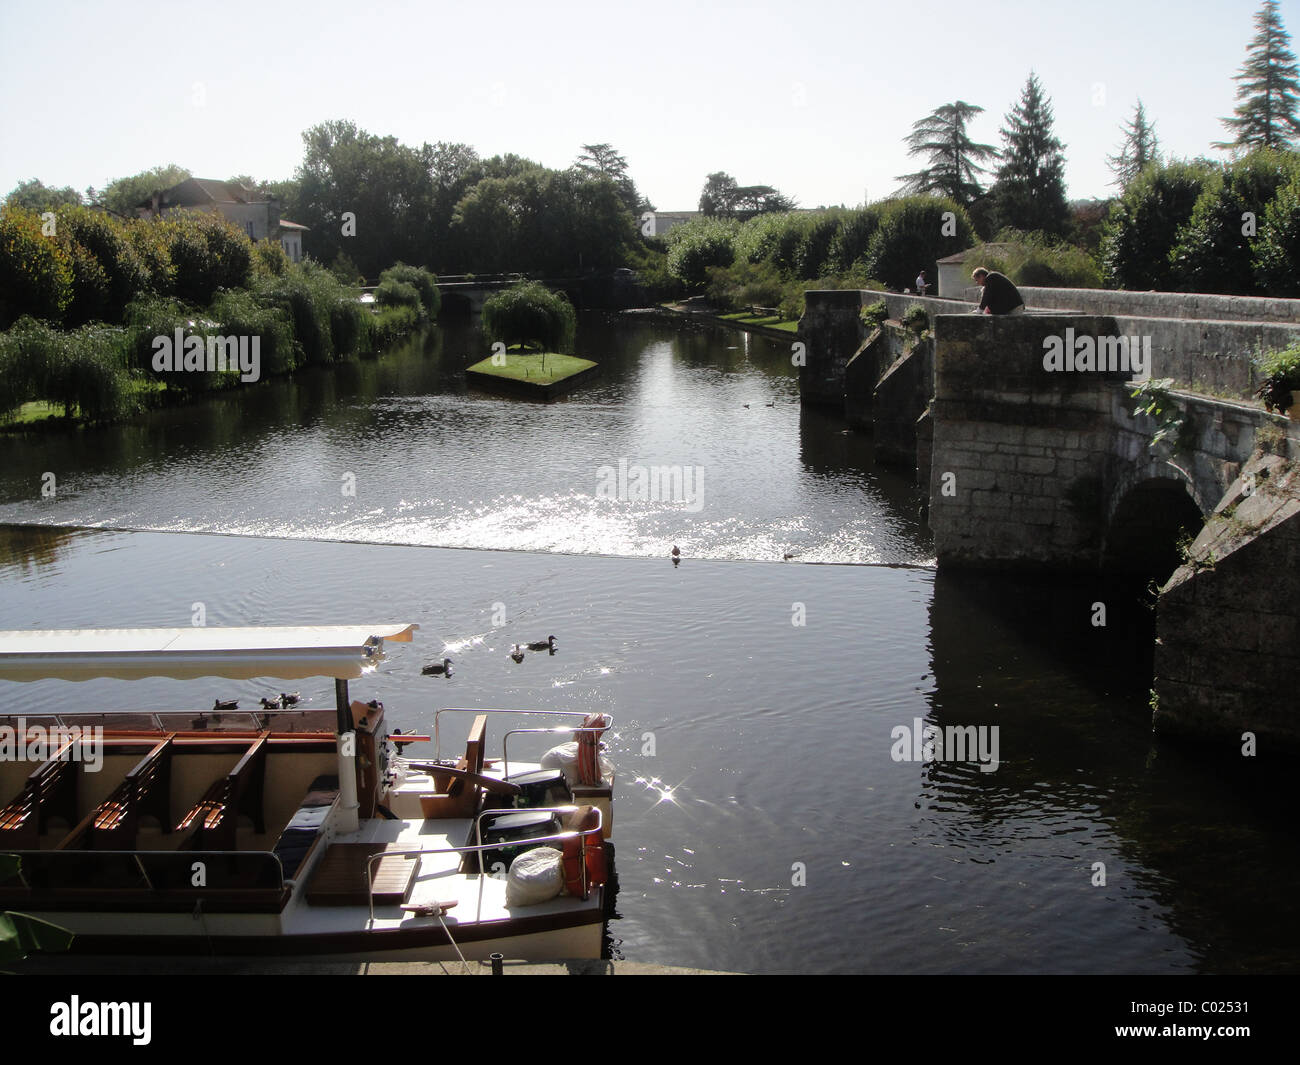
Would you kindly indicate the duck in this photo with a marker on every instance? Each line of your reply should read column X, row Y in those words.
column 517, row 654
column 436, row 670
column 270, row 704
column 547, row 644
column 290, row 699
column 219, row 705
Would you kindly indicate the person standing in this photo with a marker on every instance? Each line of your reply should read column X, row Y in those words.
column 921, row 283
column 998, row 295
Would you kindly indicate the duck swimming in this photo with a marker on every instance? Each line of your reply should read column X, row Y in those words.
column 270, row 704
column 224, row 704
column 517, row 654
column 547, row 644
column 436, row 670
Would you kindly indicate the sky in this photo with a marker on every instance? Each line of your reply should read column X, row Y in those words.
column 813, row 98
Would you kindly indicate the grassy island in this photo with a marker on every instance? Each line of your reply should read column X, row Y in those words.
column 543, row 375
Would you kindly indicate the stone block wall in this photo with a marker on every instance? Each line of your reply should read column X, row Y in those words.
column 1228, row 622
column 1019, row 452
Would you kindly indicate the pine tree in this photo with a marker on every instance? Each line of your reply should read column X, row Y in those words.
column 1031, row 181
column 954, row 159
column 1269, row 89
column 1140, row 148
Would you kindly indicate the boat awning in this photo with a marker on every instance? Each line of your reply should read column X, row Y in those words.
column 290, row 653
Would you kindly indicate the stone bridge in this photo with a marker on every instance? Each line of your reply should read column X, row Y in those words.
column 1031, row 462
column 1030, row 466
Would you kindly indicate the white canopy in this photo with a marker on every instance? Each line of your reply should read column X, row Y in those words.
column 290, row 653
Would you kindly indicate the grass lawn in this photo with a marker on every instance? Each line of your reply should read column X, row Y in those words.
column 539, row 368
column 35, row 411
column 772, row 321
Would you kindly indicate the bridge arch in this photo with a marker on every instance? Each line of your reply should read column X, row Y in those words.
column 1145, row 524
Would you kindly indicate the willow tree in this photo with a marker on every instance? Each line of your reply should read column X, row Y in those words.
column 530, row 315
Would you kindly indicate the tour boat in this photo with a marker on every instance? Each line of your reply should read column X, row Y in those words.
column 296, row 832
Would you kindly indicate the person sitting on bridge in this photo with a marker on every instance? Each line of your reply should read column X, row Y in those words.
column 999, row 295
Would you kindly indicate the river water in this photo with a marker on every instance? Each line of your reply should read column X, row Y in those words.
column 767, row 816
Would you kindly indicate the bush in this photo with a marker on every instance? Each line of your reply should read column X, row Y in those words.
column 1277, row 249
column 393, row 293
column 425, row 283
column 269, row 259
column 849, row 245
column 36, row 275
column 389, row 325
column 1212, row 253
column 208, row 253
column 89, row 301
column 812, row 253
column 1143, row 224
column 240, row 314
column 530, row 314
column 697, row 245
column 911, row 237
column 1037, row 259
column 105, row 238
column 874, row 316
column 744, row 284
column 916, row 319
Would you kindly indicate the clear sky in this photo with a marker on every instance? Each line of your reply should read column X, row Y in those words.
column 813, row 98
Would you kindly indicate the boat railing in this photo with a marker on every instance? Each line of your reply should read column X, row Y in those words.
column 162, row 872
column 505, row 740
column 437, row 736
column 480, row 847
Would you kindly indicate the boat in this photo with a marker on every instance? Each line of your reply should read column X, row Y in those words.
column 300, row 832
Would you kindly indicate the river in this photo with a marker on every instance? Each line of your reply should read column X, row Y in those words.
column 767, row 816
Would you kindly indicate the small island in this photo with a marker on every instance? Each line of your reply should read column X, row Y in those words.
column 525, row 324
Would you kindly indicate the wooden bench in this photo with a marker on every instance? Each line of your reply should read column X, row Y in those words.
column 49, row 791
column 214, row 817
column 145, row 790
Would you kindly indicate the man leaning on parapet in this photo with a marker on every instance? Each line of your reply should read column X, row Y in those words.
column 999, row 295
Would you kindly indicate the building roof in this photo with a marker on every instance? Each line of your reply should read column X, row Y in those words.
column 286, row 224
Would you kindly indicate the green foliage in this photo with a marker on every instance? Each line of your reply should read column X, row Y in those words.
column 123, row 195
column 307, row 295
column 240, row 314
column 106, row 240
column 911, row 237
column 208, row 253
column 1277, row 247
column 346, row 270
column 744, row 284
column 916, row 319
column 697, row 245
column 85, row 370
column 424, row 283
column 1215, row 249
column 269, row 259
column 955, row 161
column 1139, row 149
column 1144, row 223
column 849, row 246
column 1036, row 259
column 811, row 257
column 530, row 314
column 394, row 293
column 1265, row 116
column 1155, row 401
column 35, row 196
column 1030, row 190
column 874, row 315
column 1281, row 373
column 390, row 324
column 36, row 274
